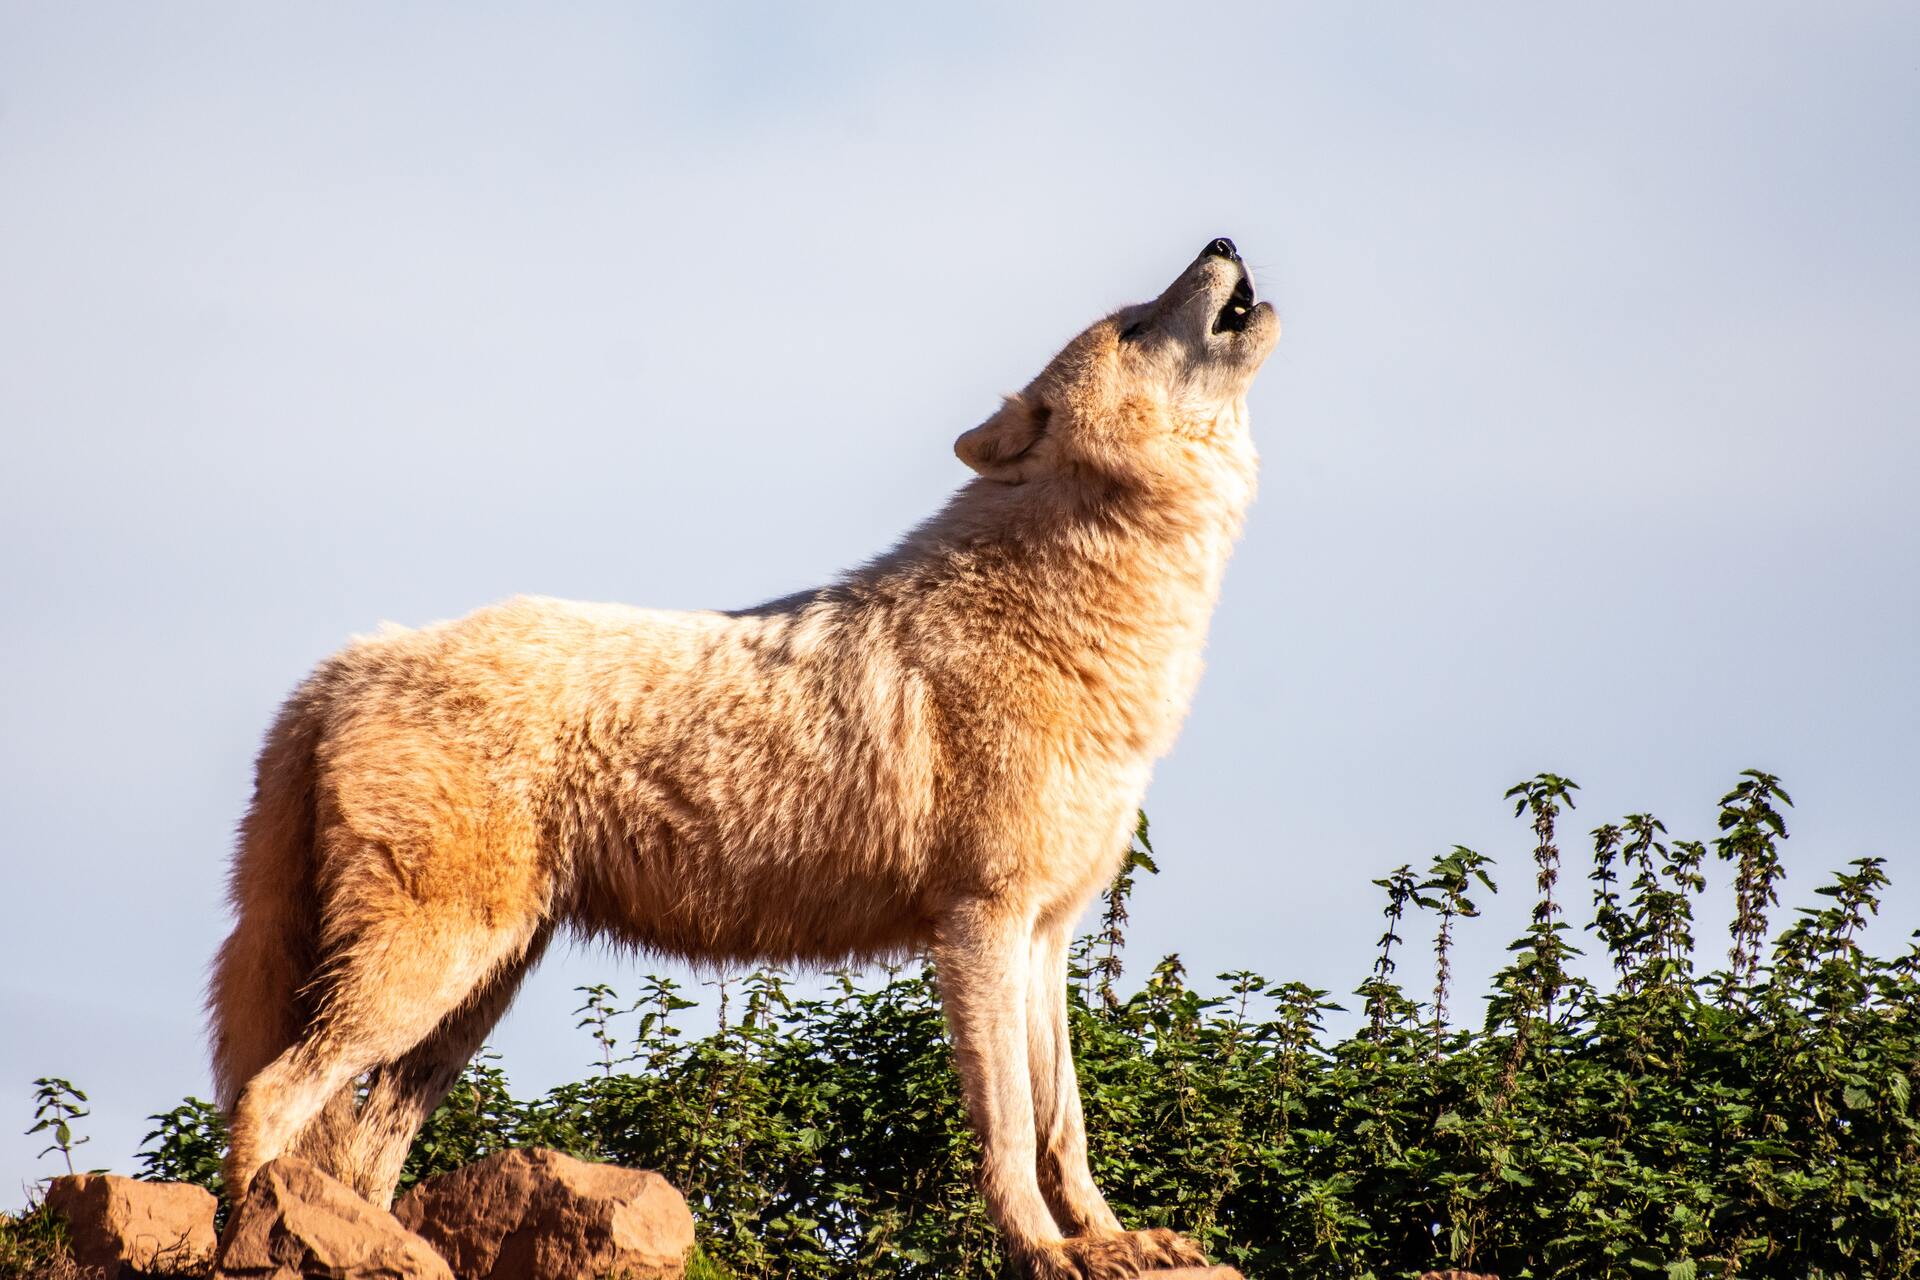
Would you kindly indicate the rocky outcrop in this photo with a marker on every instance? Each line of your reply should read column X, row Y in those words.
column 541, row 1215
column 122, row 1227
column 296, row 1223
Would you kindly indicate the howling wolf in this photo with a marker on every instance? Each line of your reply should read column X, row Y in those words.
column 941, row 752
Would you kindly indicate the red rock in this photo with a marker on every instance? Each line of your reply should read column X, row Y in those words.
column 124, row 1227
column 541, row 1215
column 297, row 1223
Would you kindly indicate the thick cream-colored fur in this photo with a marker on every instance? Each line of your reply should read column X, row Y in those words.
column 942, row 752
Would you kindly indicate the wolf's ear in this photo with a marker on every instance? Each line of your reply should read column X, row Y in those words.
column 997, row 447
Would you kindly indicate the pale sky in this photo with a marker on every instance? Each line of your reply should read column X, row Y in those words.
column 1590, row 447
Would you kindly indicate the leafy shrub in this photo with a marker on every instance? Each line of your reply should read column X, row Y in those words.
column 1755, row 1120
column 187, row 1144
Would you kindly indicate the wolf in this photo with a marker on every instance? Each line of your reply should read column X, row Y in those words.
column 940, row 753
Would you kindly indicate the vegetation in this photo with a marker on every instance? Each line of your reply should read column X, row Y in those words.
column 1650, row 1119
column 57, row 1104
column 33, row 1246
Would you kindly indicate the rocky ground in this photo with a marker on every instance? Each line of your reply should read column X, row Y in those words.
column 519, row 1215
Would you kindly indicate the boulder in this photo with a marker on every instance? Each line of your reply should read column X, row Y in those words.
column 296, row 1223
column 541, row 1215
column 122, row 1227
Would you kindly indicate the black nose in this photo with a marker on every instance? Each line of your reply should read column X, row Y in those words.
column 1221, row 248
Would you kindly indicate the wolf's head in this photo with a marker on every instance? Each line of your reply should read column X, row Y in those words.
column 1146, row 393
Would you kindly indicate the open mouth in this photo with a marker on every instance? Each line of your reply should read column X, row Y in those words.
column 1238, row 310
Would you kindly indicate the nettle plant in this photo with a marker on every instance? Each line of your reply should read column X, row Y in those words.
column 1627, row 1114
column 57, row 1104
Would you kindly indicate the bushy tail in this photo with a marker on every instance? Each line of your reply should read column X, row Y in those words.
column 257, row 1005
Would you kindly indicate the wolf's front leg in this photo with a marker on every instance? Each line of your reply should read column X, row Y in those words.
column 1065, row 1179
column 983, row 951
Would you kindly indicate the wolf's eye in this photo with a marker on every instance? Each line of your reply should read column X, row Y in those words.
column 1132, row 331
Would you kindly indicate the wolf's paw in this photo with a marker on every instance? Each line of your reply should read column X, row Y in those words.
column 1101, row 1257
column 1111, row 1255
column 1160, row 1248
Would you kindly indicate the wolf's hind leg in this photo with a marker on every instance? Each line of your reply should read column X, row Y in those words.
column 403, row 1094
column 386, row 990
column 325, row 1139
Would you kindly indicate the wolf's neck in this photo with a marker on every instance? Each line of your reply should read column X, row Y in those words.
column 1110, row 585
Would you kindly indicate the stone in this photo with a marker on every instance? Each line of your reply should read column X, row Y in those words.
column 123, row 1227
column 539, row 1215
column 1456, row 1275
column 296, row 1223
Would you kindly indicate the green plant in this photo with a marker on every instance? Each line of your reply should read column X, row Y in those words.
column 57, row 1104
column 1445, row 891
column 186, row 1144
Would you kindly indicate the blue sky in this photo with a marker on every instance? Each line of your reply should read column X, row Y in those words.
column 1590, row 446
